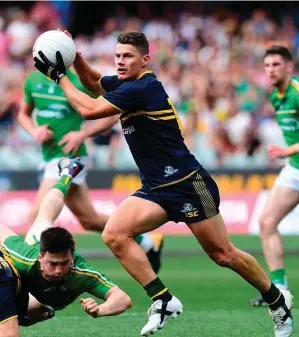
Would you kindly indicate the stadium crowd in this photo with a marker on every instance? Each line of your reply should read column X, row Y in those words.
column 210, row 65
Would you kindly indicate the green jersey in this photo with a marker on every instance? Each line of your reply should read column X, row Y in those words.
column 287, row 115
column 80, row 278
column 53, row 108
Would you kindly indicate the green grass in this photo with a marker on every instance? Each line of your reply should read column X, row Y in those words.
column 215, row 299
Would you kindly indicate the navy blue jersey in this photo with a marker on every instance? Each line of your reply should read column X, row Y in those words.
column 152, row 128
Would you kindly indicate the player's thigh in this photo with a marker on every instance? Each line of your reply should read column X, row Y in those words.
column 135, row 216
column 9, row 328
column 211, row 234
column 280, row 202
column 80, row 204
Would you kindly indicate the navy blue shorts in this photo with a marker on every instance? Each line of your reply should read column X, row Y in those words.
column 190, row 199
column 8, row 291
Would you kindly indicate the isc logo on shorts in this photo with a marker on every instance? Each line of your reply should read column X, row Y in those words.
column 189, row 210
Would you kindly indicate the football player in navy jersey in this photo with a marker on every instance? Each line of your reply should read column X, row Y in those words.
column 174, row 184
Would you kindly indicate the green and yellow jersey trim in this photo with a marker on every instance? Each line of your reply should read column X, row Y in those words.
column 18, row 257
column 51, row 97
column 9, row 260
column 91, row 273
column 295, row 84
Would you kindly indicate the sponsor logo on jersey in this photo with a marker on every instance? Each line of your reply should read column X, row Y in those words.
column 169, row 170
column 128, row 130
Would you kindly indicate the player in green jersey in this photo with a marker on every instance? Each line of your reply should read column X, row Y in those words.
column 50, row 269
column 57, row 126
column 284, row 195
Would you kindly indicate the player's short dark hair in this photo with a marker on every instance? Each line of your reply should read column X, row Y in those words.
column 56, row 240
column 280, row 50
column 136, row 39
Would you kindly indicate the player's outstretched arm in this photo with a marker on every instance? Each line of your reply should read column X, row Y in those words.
column 116, row 302
column 88, row 107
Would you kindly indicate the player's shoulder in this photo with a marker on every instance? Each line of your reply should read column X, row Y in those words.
column 145, row 81
column 295, row 84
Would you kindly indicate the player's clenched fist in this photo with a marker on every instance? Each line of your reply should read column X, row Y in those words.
column 90, row 306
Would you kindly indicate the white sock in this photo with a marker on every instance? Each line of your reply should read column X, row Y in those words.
column 146, row 242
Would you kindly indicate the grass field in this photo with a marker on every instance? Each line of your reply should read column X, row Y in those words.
column 215, row 299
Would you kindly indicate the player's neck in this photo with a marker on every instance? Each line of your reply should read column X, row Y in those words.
column 284, row 85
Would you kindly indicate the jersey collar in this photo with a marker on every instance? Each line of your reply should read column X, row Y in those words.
column 143, row 73
column 281, row 95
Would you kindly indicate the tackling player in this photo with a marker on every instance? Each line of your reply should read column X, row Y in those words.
column 57, row 126
column 175, row 186
column 50, row 269
column 284, row 195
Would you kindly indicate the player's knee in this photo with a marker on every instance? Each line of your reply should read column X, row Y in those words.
column 9, row 331
column 114, row 240
column 268, row 225
column 222, row 257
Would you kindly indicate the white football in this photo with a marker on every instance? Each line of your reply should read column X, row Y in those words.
column 52, row 41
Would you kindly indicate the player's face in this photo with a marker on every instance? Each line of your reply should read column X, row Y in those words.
column 55, row 266
column 129, row 62
column 277, row 69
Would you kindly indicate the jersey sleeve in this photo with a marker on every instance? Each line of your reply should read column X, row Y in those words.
column 27, row 91
column 109, row 83
column 22, row 254
column 129, row 96
column 94, row 282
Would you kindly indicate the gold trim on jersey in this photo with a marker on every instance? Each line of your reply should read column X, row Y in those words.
column 176, row 114
column 143, row 73
column 114, row 106
column 176, row 181
column 101, row 85
column 164, row 118
column 7, row 319
column 162, row 114
column 205, row 196
column 52, row 97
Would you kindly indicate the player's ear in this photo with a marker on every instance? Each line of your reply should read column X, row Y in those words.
column 290, row 66
column 145, row 60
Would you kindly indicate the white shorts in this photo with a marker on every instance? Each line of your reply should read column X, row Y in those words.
column 289, row 177
column 51, row 171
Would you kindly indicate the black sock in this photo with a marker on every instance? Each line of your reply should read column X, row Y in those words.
column 156, row 290
column 274, row 297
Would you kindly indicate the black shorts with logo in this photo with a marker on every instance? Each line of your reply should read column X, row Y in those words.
column 8, row 291
column 190, row 199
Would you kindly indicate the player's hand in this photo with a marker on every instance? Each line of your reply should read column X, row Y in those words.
column 277, row 152
column 72, row 141
column 78, row 52
column 55, row 71
column 42, row 134
column 90, row 306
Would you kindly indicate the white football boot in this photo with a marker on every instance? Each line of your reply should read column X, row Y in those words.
column 282, row 317
column 159, row 313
